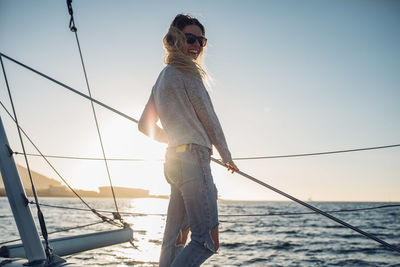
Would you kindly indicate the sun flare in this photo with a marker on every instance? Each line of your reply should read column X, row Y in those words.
column 141, row 164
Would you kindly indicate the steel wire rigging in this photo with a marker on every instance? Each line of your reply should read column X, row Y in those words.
column 372, row 237
column 104, row 218
column 241, row 158
column 234, row 215
column 42, row 222
column 73, row 29
column 136, row 121
column 220, row 215
column 117, row 215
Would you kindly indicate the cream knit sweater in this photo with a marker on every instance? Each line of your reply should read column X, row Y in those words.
column 186, row 112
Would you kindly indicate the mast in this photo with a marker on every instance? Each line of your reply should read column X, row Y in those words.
column 18, row 201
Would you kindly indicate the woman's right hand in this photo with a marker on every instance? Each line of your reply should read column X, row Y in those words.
column 231, row 166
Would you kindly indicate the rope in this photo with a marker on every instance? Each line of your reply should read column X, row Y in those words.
column 70, row 88
column 74, row 30
column 220, row 163
column 319, row 153
column 71, row 12
column 247, row 158
column 59, row 175
column 102, row 211
column 42, row 222
column 306, row 213
column 88, row 158
column 312, row 208
column 233, row 215
column 136, row 121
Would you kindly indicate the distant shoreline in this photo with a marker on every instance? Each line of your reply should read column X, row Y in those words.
column 150, row 196
column 104, row 192
column 225, row 200
column 90, row 194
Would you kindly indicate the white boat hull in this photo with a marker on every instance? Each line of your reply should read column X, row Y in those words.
column 75, row 244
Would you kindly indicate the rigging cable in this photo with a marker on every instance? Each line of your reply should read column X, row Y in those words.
column 104, row 218
column 70, row 88
column 220, row 215
column 247, row 158
column 232, row 215
column 311, row 207
column 48, row 250
column 74, row 30
column 318, row 153
column 136, row 121
column 387, row 245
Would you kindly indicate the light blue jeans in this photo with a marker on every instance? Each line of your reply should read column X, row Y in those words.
column 193, row 203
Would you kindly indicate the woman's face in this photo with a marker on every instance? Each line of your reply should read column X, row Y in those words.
column 193, row 50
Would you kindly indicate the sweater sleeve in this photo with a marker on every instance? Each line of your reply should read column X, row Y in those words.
column 205, row 112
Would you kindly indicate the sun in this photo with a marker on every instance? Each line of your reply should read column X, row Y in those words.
column 122, row 140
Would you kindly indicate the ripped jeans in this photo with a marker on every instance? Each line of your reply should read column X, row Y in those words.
column 193, row 203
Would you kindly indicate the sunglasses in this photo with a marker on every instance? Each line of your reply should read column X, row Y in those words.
column 191, row 38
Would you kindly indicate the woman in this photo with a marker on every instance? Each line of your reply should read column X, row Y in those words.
column 190, row 127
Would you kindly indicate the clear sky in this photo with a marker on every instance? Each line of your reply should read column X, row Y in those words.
column 289, row 77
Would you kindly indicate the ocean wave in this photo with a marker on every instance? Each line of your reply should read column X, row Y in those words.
column 283, row 246
column 255, row 260
column 357, row 262
column 348, row 236
column 289, row 232
column 228, row 231
column 247, row 241
column 233, row 245
column 334, row 226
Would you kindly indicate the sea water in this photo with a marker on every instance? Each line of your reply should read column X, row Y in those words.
column 268, row 240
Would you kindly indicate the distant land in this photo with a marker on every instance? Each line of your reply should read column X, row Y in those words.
column 48, row 187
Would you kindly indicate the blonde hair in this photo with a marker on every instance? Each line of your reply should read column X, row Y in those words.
column 174, row 42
